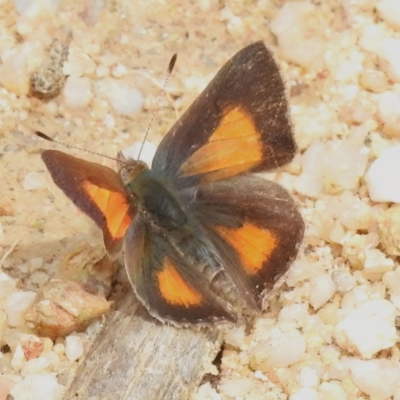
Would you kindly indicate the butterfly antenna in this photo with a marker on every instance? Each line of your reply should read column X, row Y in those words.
column 169, row 71
column 48, row 138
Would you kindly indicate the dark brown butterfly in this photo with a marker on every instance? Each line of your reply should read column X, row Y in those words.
column 199, row 230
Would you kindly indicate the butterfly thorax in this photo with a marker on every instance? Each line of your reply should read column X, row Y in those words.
column 156, row 203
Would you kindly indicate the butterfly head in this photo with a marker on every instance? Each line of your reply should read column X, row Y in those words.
column 129, row 169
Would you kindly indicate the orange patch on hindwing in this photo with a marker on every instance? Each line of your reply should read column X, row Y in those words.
column 235, row 142
column 114, row 207
column 174, row 289
column 254, row 245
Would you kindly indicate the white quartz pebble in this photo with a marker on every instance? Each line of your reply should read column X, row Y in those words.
column 73, row 347
column 305, row 394
column 77, row 92
column 389, row 11
column 123, row 98
column 376, row 378
column 383, row 179
column 369, row 329
column 281, row 351
column 33, row 181
column 322, row 288
column 388, row 55
column 308, row 377
column 290, row 27
column 35, row 387
column 236, row 387
column 16, row 305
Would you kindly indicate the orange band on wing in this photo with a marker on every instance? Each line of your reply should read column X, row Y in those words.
column 236, row 141
column 174, row 289
column 234, row 124
column 254, row 245
column 114, row 207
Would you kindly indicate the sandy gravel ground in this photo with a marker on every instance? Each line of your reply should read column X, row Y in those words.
column 331, row 332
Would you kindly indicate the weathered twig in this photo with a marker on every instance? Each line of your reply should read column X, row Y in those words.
column 136, row 357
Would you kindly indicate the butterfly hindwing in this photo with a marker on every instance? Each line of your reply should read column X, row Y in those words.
column 168, row 283
column 239, row 123
column 257, row 229
column 97, row 191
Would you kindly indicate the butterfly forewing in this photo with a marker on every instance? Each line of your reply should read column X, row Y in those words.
column 96, row 190
column 239, row 123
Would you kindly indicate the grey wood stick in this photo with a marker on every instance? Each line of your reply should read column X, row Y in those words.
column 136, row 357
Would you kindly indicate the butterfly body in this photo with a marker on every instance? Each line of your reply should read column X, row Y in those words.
column 202, row 236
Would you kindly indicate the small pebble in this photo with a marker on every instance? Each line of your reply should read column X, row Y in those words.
column 109, row 121
column 294, row 313
column 79, row 64
column 356, row 215
column 322, row 288
column 35, row 263
column 32, row 346
column 374, row 80
column 17, row 66
column 308, row 377
column 34, row 7
column 59, row 349
column 389, row 61
column 34, row 181
column 35, row 387
column 77, row 92
column 16, row 305
column 310, row 182
column 389, row 11
column 388, row 227
column 206, row 391
column 305, row 394
column 18, row 358
column 392, row 282
column 290, row 27
column 369, row 329
column 39, row 278
column 35, row 366
column 102, row 71
column 118, row 71
column 331, row 391
column 73, row 347
column 382, row 178
column 376, row 378
column 235, row 336
column 344, row 163
column 286, row 350
column 344, row 281
column 376, row 263
column 371, row 38
column 235, row 26
column 123, row 98
column 236, row 387
column 22, row 5
column 389, row 113
column 333, row 166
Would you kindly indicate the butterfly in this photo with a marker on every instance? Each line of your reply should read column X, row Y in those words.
column 203, row 237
